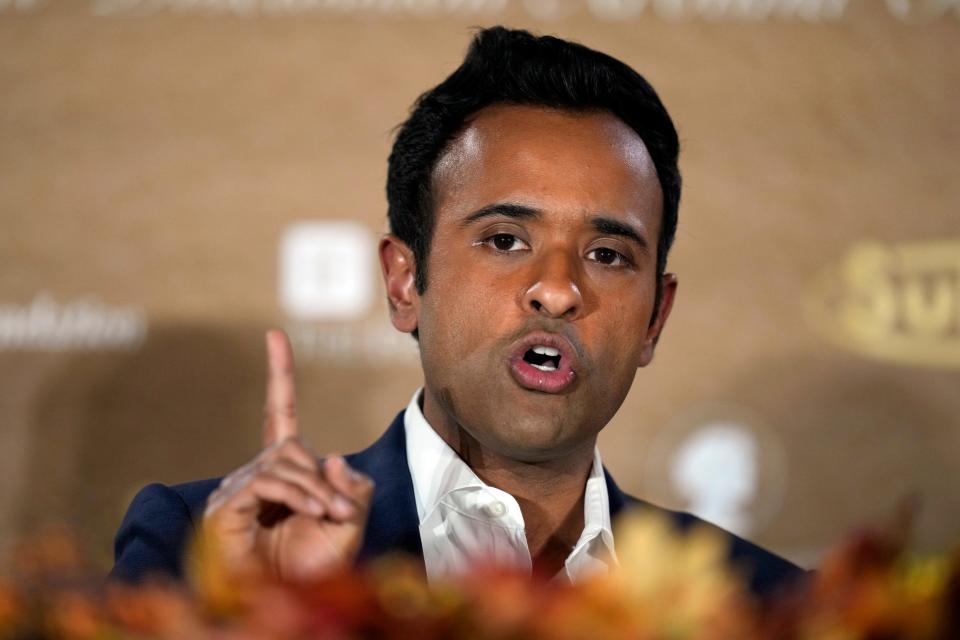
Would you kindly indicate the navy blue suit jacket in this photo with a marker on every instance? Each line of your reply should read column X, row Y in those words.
column 161, row 520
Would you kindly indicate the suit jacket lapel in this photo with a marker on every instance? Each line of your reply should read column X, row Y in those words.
column 393, row 525
column 618, row 499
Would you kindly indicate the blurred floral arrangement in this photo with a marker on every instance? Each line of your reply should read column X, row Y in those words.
column 668, row 587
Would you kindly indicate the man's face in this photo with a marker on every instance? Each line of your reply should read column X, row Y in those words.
column 541, row 279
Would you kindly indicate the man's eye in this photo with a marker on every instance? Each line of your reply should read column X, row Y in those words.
column 607, row 256
column 506, row 242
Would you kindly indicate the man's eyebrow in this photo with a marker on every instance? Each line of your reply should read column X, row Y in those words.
column 617, row 228
column 506, row 209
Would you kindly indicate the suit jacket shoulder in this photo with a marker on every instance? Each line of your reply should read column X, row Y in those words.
column 157, row 528
column 766, row 572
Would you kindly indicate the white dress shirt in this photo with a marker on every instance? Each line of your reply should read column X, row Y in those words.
column 463, row 520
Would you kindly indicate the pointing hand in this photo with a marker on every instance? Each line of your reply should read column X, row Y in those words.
column 287, row 512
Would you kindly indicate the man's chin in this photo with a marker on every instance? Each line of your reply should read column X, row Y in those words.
column 517, row 424
column 537, row 443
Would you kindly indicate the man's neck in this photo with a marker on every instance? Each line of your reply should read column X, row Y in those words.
column 550, row 492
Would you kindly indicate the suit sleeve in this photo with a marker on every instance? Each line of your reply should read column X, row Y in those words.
column 153, row 536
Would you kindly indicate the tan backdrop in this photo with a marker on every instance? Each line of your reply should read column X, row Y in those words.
column 176, row 176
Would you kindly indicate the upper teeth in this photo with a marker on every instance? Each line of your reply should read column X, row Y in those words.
column 546, row 351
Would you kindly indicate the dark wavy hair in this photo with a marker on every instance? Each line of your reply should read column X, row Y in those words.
column 507, row 66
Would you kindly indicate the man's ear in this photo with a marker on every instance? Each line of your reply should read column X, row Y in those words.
column 668, row 292
column 397, row 265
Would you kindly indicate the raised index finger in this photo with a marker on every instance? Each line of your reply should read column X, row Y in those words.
column 280, row 412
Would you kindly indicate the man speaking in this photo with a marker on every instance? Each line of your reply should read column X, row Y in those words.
column 533, row 199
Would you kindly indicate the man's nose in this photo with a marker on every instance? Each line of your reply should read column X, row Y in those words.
column 554, row 288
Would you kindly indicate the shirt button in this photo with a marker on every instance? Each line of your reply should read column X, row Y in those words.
column 496, row 509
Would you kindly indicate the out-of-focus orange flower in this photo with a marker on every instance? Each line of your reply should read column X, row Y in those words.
column 150, row 609
column 676, row 583
column 221, row 592
column 75, row 616
column 667, row 586
column 501, row 603
column 401, row 588
column 11, row 607
column 869, row 587
column 593, row 610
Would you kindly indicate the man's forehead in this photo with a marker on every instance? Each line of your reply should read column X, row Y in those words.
column 507, row 129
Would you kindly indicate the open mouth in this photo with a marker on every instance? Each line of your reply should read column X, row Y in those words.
column 544, row 362
column 543, row 358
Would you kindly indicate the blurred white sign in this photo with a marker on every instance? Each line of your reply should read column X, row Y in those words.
column 721, row 463
column 716, row 470
column 84, row 324
column 327, row 270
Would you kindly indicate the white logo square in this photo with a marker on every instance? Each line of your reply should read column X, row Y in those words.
column 326, row 270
